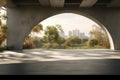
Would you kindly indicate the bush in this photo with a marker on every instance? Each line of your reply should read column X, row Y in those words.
column 28, row 45
column 106, row 44
column 38, row 43
column 51, row 45
column 84, row 40
column 92, row 42
column 55, row 45
column 47, row 45
column 3, row 48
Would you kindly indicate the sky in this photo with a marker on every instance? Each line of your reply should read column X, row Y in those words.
column 70, row 21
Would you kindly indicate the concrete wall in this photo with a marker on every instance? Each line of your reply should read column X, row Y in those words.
column 22, row 19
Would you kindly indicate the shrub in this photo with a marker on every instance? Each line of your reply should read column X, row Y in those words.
column 47, row 45
column 55, row 45
column 28, row 45
column 38, row 42
column 3, row 48
column 92, row 42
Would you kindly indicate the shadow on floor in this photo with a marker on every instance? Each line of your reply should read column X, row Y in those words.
column 65, row 67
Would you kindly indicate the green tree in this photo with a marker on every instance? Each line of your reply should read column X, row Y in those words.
column 99, row 34
column 37, row 28
column 38, row 42
column 52, row 33
column 29, row 41
column 73, row 40
column 92, row 42
column 3, row 28
column 3, row 33
column 61, row 41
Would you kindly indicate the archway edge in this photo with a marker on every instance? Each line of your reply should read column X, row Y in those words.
column 89, row 17
column 33, row 15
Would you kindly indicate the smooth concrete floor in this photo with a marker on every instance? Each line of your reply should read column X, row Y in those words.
column 60, row 62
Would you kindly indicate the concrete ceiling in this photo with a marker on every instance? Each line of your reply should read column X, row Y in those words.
column 64, row 3
column 88, row 3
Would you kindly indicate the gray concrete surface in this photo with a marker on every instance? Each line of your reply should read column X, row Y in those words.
column 60, row 62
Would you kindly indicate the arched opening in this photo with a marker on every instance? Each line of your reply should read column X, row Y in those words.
column 83, row 16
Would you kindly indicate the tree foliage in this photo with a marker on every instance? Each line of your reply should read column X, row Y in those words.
column 3, row 29
column 52, row 33
column 92, row 42
column 37, row 28
column 72, row 41
column 28, row 43
column 100, row 35
column 61, row 40
column 38, row 42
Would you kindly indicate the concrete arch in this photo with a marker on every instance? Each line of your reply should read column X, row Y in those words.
column 89, row 17
column 31, row 16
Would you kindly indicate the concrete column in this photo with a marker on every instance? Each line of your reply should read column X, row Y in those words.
column 18, row 26
column 20, row 22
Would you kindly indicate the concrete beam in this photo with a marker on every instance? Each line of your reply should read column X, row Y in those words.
column 57, row 3
column 44, row 2
column 10, row 3
column 88, row 3
column 114, row 3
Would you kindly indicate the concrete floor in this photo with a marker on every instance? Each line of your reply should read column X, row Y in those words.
column 60, row 62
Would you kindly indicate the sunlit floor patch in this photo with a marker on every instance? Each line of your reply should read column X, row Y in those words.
column 9, row 61
column 8, row 57
column 17, row 54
